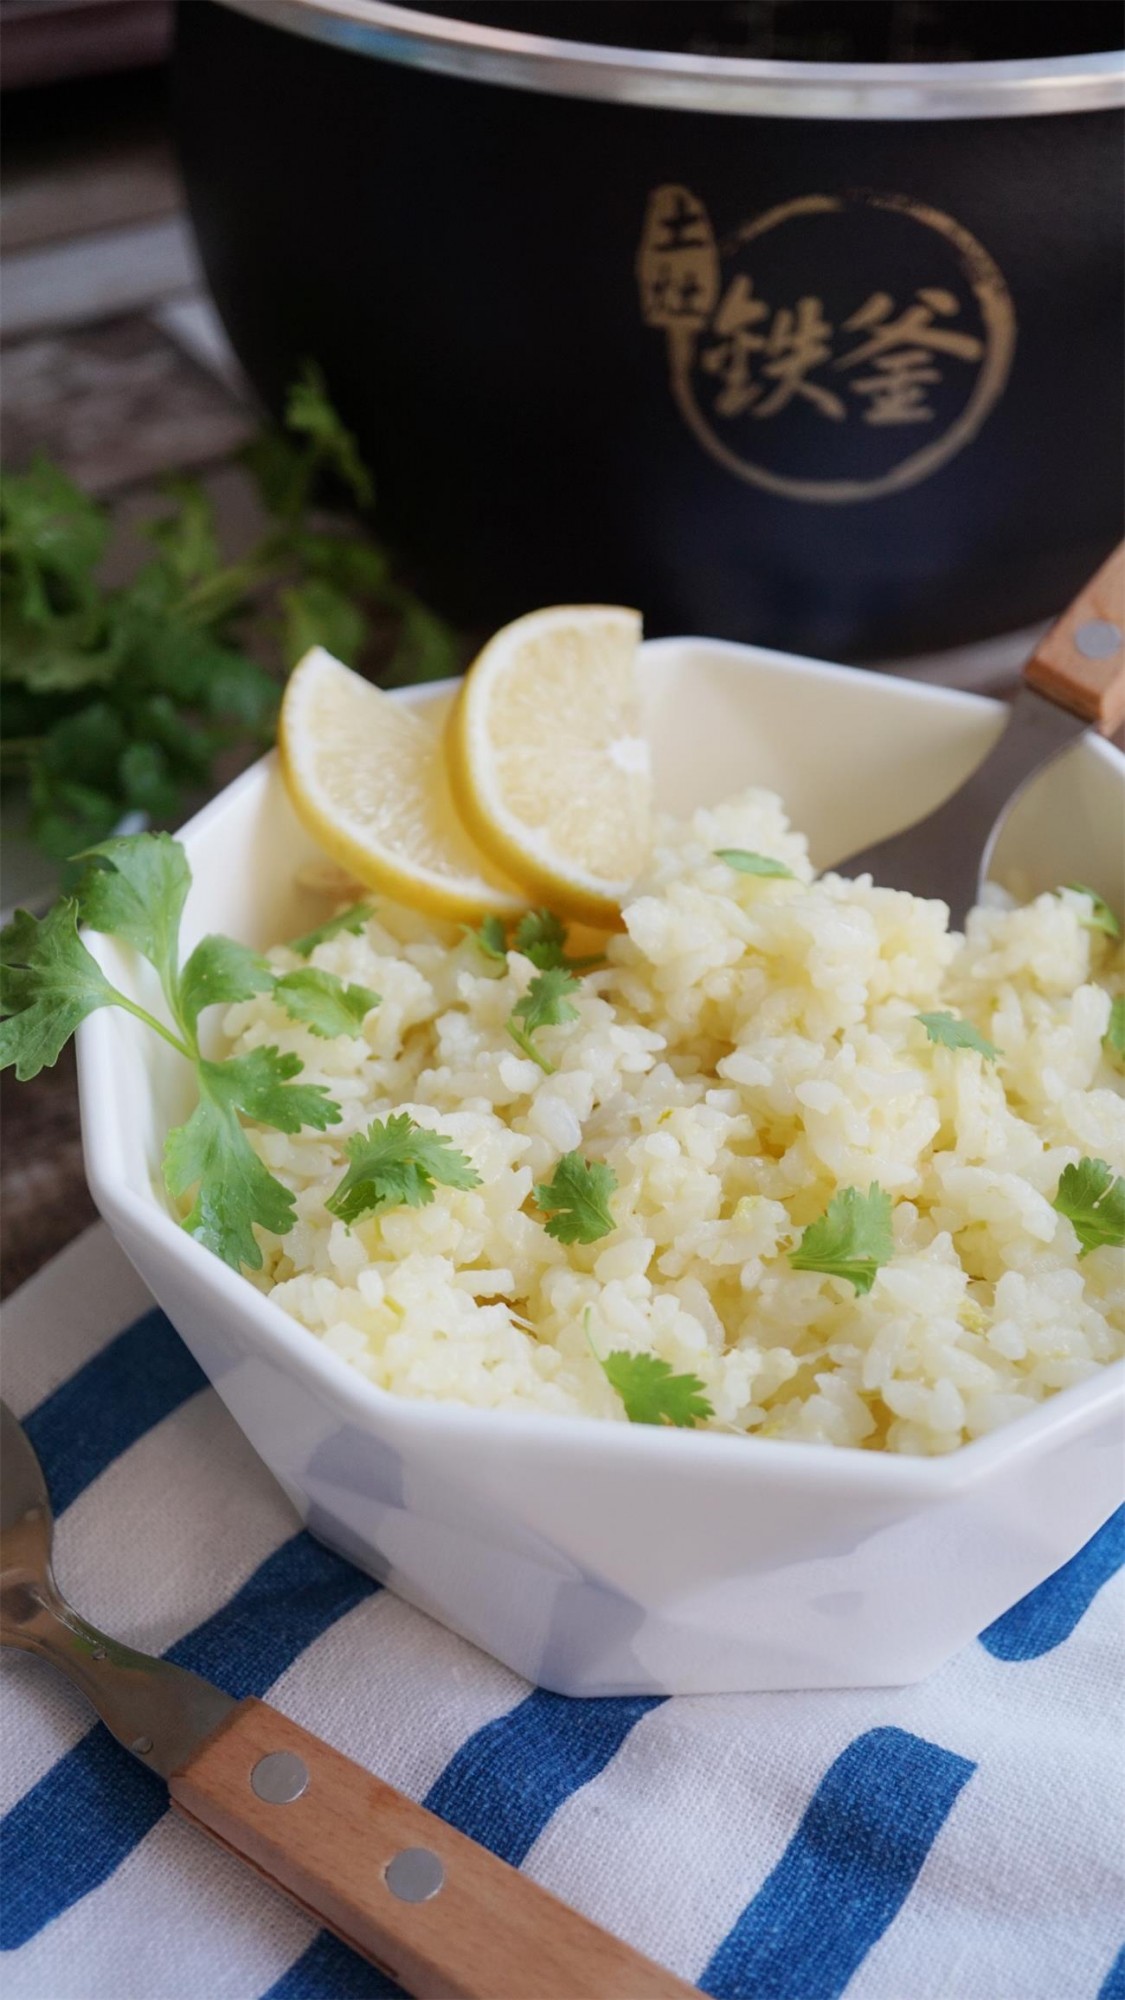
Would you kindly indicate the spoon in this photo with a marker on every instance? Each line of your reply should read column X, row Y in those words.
column 1074, row 681
column 440, row 1914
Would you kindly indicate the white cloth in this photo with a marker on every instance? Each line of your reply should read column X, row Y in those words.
column 961, row 1839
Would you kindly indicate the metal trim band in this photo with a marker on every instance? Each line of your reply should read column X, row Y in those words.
column 728, row 85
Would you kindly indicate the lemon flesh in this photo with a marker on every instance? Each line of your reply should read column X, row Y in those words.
column 367, row 776
column 548, row 763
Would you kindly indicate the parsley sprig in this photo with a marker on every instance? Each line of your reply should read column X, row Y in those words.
column 1113, row 1041
column 546, row 1004
column 346, row 923
column 397, row 1163
column 851, row 1240
column 576, row 1200
column 1101, row 917
column 746, row 863
column 540, row 936
column 950, row 1033
column 1092, row 1198
column 135, row 889
column 653, row 1393
column 119, row 700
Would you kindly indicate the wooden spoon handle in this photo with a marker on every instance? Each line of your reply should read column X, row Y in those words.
column 1081, row 662
column 353, row 1853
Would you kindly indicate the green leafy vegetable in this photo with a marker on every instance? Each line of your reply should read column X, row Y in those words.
column 212, row 1154
column 1101, row 917
column 323, row 1002
column 1092, row 1197
column 653, row 1394
column 120, row 699
column 135, row 888
column 490, row 940
column 541, row 937
column 576, row 1199
column 950, row 1033
column 396, row 1163
column 218, row 973
column 851, row 1240
column 48, row 984
column 347, row 922
column 545, row 1005
column 1114, row 1037
column 745, row 863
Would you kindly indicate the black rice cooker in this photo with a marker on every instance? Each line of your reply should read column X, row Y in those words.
column 798, row 323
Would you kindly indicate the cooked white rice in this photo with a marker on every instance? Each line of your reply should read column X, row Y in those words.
column 750, row 1048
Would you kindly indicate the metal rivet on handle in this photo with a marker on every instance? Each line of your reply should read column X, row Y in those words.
column 414, row 1875
column 279, row 1778
column 1097, row 639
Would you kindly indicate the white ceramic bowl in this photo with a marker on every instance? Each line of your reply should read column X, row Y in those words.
column 614, row 1559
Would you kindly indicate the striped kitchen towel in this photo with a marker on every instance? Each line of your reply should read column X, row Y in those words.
column 961, row 1839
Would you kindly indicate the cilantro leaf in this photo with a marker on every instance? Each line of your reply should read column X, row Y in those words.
column 233, row 1190
column 218, row 972
column 544, row 1005
column 1092, row 1198
column 135, row 887
column 260, row 1085
column 396, row 1163
column 1101, row 917
column 346, row 922
column 745, row 863
column 950, row 1033
column 576, row 1200
column 49, row 982
column 541, row 936
column 1114, row 1037
column 653, row 1394
column 212, row 1154
column 325, row 1005
column 851, row 1240
column 309, row 413
column 490, row 940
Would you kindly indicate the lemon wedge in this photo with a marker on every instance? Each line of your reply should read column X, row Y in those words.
column 549, row 768
column 368, row 778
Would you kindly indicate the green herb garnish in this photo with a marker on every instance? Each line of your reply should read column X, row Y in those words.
column 950, row 1033
column 135, row 888
column 576, row 1200
column 1114, row 1037
column 347, row 922
column 545, row 1005
column 745, row 863
column 119, row 700
column 1101, row 917
column 490, row 940
column 397, row 1163
column 323, row 1003
column 541, row 937
column 1092, row 1198
column 851, row 1240
column 653, row 1394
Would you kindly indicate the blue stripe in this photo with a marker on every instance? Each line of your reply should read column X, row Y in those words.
column 69, row 1833
column 329, row 1971
column 118, row 1395
column 505, row 1783
column 1114, row 1984
column 1049, row 1614
column 845, row 1874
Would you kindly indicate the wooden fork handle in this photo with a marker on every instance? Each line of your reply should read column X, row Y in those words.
column 1081, row 662
column 352, row 1851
